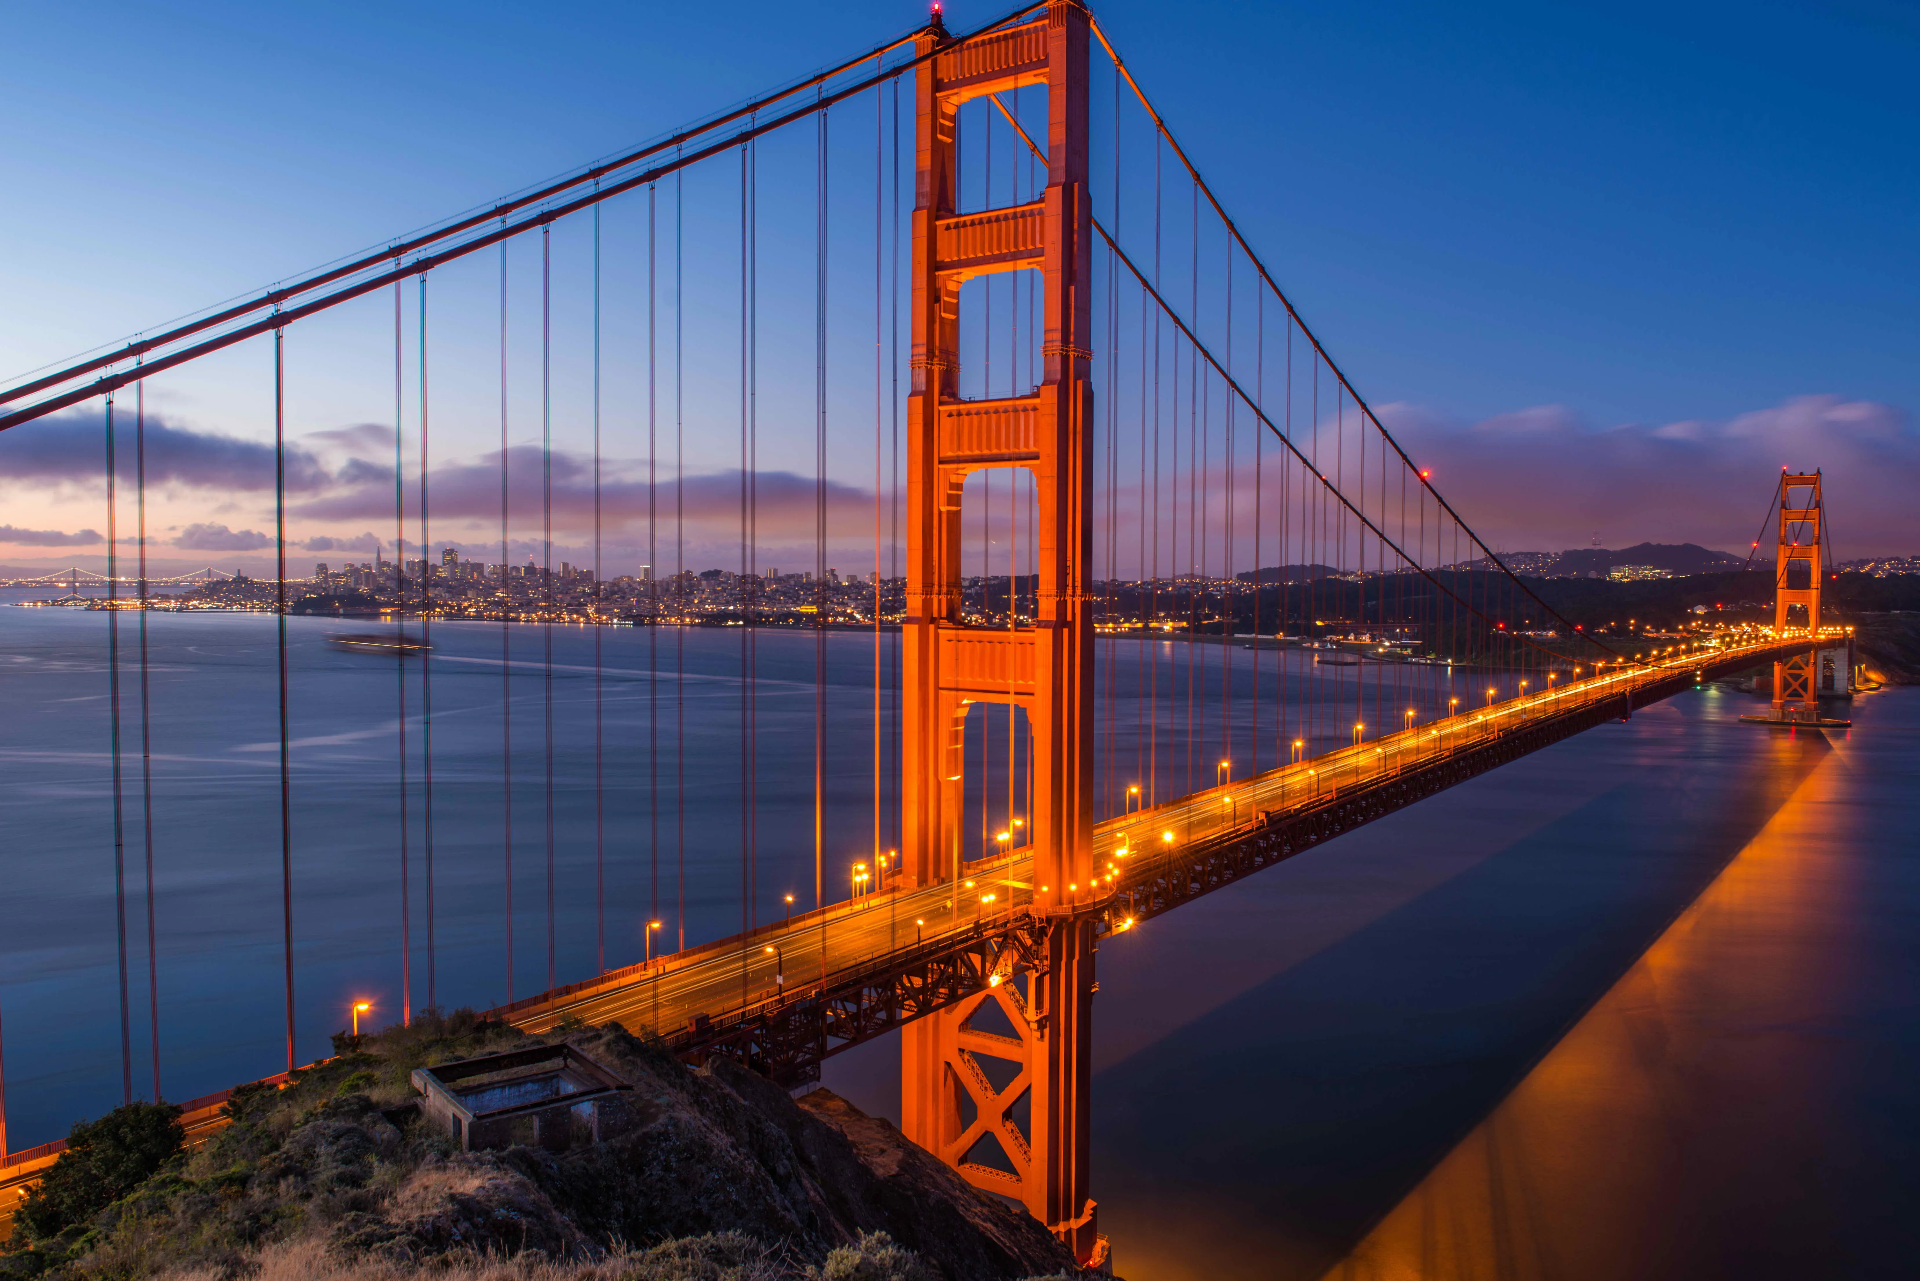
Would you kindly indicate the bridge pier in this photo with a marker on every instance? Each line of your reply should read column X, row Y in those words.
column 997, row 1085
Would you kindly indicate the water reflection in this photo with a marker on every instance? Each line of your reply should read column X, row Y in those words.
column 1734, row 1105
column 1260, row 1128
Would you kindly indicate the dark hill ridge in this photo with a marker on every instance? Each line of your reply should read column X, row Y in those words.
column 1675, row 558
column 720, row 1167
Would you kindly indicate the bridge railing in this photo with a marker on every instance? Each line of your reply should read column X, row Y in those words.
column 1302, row 785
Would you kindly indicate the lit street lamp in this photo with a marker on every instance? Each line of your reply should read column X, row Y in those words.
column 779, row 967
column 1131, row 801
column 1223, row 773
column 359, row 1008
column 1299, row 748
column 651, row 927
column 789, row 910
column 1357, row 727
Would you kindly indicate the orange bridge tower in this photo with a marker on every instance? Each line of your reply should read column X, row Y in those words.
column 997, row 1085
column 1796, row 593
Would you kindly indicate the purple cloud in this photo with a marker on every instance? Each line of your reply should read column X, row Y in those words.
column 1543, row 479
column 363, row 543
column 46, row 537
column 469, row 493
column 69, row 449
column 218, row 538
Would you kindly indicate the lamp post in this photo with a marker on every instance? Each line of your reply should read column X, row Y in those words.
column 779, row 968
column 1299, row 750
column 1489, row 696
column 789, row 911
column 1131, row 801
column 919, row 931
column 1223, row 773
column 359, row 1008
column 1358, row 726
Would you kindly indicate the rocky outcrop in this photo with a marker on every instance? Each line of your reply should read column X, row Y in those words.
column 716, row 1155
column 1889, row 646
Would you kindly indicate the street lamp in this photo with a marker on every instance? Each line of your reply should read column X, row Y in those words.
column 1453, row 706
column 919, row 931
column 1357, row 727
column 359, row 1008
column 1409, row 718
column 1131, row 801
column 651, row 927
column 1489, row 696
column 1299, row 747
column 1226, row 768
column 779, row 967
column 789, row 910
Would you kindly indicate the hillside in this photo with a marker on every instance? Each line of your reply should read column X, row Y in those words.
column 721, row 1177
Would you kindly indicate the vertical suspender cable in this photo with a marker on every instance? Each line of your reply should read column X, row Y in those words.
column 113, row 715
column 426, row 660
column 1259, row 495
column 599, row 699
column 893, row 487
column 146, row 729
column 506, row 641
column 1153, row 580
column 280, row 618
column 679, row 554
column 3, row 1093
column 400, row 659
column 1230, row 623
column 753, row 534
column 546, row 554
column 653, row 574
column 744, row 587
column 821, row 599
column 879, row 403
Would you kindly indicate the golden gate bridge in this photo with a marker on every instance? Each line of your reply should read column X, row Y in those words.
column 1083, row 404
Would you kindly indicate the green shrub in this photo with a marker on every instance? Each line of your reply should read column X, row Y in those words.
column 104, row 1160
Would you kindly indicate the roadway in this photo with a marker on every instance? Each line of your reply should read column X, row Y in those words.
column 785, row 962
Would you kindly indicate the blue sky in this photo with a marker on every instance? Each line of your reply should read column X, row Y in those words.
column 1545, row 235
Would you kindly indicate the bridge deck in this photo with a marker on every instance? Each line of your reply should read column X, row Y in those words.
column 733, row 981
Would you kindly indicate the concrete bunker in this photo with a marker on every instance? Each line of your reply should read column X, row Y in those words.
column 550, row 1096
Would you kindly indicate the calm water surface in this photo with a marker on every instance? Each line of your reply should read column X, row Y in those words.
column 1643, row 1004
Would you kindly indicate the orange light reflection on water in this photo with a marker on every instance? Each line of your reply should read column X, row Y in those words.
column 1651, row 1135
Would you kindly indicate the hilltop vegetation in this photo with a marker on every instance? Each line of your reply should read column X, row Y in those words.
column 722, row 1178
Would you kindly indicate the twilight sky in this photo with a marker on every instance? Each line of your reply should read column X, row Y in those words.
column 1605, row 267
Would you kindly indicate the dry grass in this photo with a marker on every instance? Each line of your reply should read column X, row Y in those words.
column 722, row 1258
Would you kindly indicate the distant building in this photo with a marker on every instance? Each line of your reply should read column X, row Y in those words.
column 1636, row 573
